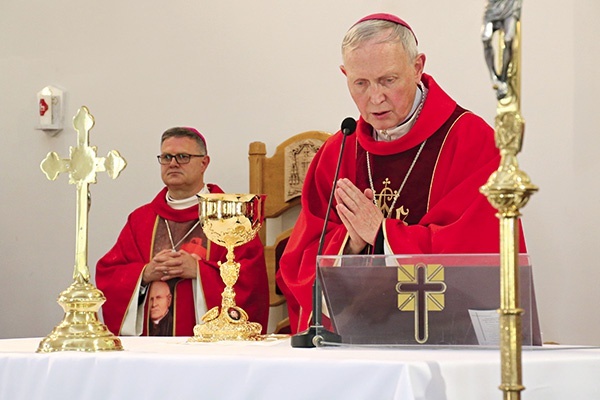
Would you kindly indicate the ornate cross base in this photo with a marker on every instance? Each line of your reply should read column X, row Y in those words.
column 80, row 329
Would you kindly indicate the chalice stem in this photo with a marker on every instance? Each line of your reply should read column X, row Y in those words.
column 230, row 272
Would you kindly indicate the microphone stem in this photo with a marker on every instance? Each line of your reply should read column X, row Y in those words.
column 317, row 296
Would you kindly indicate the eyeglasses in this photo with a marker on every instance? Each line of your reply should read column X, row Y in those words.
column 181, row 158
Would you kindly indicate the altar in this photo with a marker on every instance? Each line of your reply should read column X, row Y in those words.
column 171, row 368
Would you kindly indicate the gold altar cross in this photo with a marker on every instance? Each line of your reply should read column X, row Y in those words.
column 80, row 329
column 421, row 289
column 82, row 168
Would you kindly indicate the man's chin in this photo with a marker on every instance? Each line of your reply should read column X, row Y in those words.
column 173, row 181
column 381, row 122
column 381, row 127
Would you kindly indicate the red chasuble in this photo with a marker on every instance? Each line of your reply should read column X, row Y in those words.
column 120, row 270
column 439, row 210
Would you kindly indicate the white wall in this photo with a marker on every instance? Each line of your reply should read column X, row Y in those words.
column 264, row 70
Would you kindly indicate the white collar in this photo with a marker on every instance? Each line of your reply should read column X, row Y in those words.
column 185, row 203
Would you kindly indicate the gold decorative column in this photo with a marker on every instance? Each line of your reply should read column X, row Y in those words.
column 508, row 189
column 80, row 329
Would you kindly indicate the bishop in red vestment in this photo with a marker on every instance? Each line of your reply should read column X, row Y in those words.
column 410, row 175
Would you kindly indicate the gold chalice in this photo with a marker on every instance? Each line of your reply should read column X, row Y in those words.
column 229, row 220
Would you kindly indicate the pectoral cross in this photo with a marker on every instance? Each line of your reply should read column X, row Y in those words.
column 82, row 168
column 421, row 289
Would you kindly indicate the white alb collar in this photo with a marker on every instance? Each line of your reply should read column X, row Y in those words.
column 387, row 135
column 185, row 203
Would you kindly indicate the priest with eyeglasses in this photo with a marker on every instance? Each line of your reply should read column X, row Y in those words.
column 163, row 242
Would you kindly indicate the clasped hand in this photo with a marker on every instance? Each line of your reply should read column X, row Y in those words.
column 169, row 264
column 359, row 214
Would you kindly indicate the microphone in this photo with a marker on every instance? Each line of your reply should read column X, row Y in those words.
column 316, row 333
column 348, row 128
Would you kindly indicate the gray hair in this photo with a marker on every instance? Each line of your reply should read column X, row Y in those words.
column 185, row 132
column 364, row 31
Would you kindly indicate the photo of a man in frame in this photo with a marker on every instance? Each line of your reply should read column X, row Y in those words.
column 160, row 302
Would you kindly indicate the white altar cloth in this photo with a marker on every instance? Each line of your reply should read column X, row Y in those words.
column 170, row 368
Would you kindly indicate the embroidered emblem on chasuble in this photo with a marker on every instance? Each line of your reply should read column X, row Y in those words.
column 388, row 173
column 420, row 290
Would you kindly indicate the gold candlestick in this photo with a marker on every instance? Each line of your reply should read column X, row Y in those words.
column 229, row 220
column 509, row 188
column 80, row 329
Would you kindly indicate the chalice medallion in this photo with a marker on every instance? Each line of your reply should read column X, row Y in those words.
column 229, row 220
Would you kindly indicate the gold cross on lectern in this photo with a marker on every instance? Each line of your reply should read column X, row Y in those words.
column 80, row 329
column 82, row 168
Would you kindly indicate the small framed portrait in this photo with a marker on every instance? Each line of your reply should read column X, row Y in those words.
column 234, row 314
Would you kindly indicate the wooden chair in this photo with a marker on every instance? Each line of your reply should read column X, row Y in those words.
column 280, row 177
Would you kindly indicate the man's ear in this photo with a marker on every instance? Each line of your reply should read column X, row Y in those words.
column 343, row 70
column 206, row 161
column 419, row 66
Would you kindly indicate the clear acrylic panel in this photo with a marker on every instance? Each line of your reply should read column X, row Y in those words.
column 422, row 299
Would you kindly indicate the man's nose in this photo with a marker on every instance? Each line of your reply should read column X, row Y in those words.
column 376, row 94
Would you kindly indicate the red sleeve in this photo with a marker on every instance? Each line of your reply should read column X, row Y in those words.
column 117, row 273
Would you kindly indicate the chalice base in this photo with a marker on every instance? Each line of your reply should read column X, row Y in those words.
column 229, row 324
column 80, row 329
